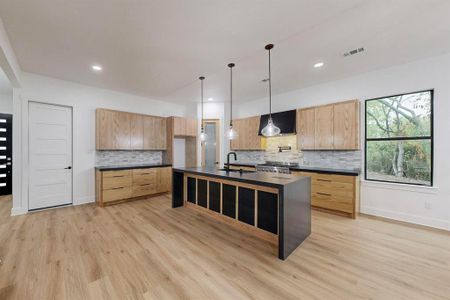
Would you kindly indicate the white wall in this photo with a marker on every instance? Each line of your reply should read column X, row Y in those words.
column 427, row 206
column 6, row 103
column 84, row 100
column 179, row 152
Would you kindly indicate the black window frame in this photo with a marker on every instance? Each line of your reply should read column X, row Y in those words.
column 430, row 137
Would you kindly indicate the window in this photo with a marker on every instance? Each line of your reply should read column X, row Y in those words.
column 399, row 139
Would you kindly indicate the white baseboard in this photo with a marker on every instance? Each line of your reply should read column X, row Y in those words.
column 436, row 223
column 84, row 200
column 17, row 211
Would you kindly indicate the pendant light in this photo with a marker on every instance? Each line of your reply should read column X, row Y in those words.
column 231, row 133
column 270, row 129
column 203, row 135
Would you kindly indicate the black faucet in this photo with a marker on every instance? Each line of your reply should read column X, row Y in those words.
column 228, row 159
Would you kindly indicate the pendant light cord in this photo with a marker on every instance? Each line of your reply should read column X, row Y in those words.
column 231, row 96
column 270, row 89
column 201, row 85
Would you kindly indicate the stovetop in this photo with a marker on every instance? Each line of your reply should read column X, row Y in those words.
column 279, row 164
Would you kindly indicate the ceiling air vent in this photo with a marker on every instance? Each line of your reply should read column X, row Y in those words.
column 354, row 51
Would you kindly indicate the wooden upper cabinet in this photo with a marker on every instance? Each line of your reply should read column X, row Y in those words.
column 179, row 126
column 247, row 130
column 329, row 127
column 112, row 130
column 306, row 128
column 324, row 131
column 137, row 132
column 191, row 127
column 105, row 133
column 254, row 139
column 155, row 133
column 236, row 143
column 116, row 130
column 346, row 125
column 184, row 127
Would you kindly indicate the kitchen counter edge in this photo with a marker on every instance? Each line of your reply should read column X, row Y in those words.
column 129, row 167
column 310, row 169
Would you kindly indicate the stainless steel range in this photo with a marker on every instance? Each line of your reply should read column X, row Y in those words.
column 275, row 167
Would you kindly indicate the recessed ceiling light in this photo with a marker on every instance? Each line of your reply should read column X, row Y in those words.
column 210, row 99
column 97, row 68
column 318, row 65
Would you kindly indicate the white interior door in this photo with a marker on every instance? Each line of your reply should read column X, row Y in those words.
column 50, row 154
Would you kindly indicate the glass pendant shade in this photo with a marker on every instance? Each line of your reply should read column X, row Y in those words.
column 231, row 133
column 270, row 129
column 203, row 136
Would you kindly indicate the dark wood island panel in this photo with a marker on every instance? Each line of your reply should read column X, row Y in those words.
column 275, row 207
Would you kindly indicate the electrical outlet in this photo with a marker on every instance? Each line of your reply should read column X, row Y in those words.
column 427, row 205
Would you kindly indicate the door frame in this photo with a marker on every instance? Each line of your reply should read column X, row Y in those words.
column 217, row 122
column 28, row 162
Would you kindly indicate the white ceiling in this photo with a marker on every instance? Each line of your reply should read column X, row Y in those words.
column 158, row 48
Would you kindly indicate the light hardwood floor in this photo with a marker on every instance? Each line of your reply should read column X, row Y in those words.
column 146, row 250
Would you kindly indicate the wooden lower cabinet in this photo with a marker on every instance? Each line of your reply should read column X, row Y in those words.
column 118, row 186
column 335, row 193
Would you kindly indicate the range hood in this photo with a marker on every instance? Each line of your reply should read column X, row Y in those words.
column 285, row 120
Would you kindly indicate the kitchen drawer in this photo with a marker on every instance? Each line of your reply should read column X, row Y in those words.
column 144, row 179
column 120, row 173
column 149, row 171
column 334, row 188
column 143, row 190
column 342, row 178
column 118, row 193
column 325, row 200
column 346, row 190
column 116, row 182
column 325, row 178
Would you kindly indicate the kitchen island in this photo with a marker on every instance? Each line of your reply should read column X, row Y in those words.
column 275, row 207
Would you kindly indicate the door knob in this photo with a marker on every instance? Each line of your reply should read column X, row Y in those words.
column 68, row 168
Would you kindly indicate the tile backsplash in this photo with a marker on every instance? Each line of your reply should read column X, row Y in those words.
column 114, row 158
column 331, row 159
column 336, row 159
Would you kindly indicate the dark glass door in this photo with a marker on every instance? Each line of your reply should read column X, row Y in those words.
column 5, row 154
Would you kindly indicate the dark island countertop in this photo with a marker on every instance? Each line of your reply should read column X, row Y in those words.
column 322, row 170
column 131, row 166
column 259, row 178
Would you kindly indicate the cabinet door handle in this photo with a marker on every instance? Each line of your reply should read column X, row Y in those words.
column 117, row 176
column 326, row 180
column 117, row 188
column 323, row 194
